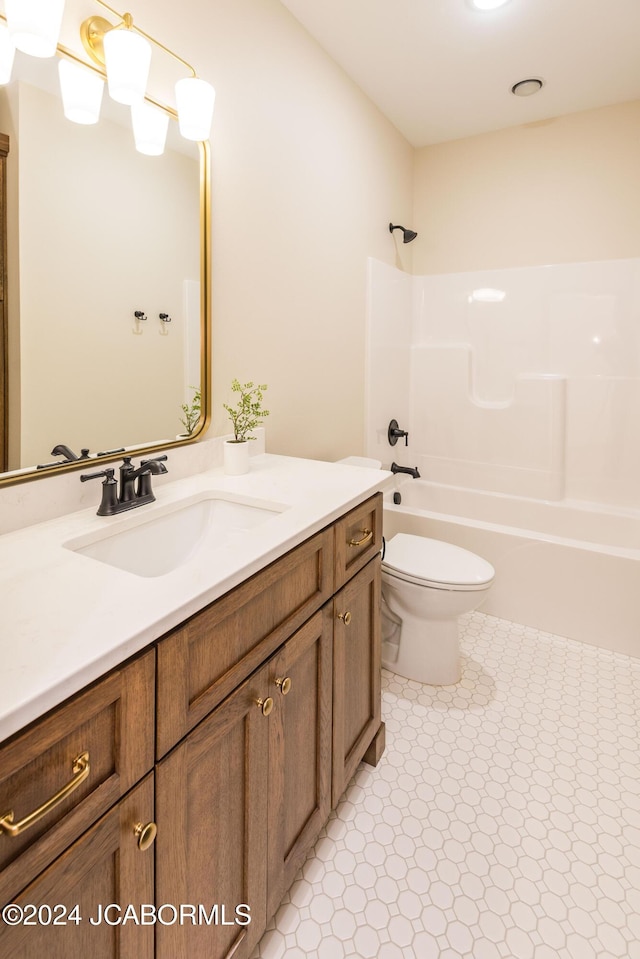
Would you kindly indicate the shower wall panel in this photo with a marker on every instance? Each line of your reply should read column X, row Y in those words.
column 524, row 381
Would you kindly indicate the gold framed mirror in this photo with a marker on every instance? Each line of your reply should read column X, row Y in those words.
column 97, row 233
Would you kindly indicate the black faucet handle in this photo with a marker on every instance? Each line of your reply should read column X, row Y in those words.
column 109, row 502
column 108, row 474
column 156, row 459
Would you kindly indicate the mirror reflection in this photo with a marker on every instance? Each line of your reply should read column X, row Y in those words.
column 103, row 251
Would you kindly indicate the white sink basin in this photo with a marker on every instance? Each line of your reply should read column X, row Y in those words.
column 152, row 545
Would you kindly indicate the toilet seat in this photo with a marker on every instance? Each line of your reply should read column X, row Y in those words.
column 430, row 562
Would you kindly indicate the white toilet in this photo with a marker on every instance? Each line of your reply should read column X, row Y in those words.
column 426, row 586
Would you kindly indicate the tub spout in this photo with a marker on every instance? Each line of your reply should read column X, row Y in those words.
column 410, row 470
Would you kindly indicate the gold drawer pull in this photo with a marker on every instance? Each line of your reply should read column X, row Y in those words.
column 367, row 534
column 80, row 770
column 266, row 705
column 146, row 834
column 284, row 685
column 345, row 617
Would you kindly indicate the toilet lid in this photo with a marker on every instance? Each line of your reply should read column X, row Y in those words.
column 418, row 559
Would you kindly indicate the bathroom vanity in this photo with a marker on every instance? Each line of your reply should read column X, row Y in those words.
column 193, row 777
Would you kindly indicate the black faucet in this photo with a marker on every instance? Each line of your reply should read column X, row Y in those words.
column 70, row 456
column 130, row 494
column 411, row 470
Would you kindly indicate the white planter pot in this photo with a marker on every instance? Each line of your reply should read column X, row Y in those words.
column 236, row 457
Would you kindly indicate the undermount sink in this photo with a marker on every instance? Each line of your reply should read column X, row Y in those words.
column 157, row 544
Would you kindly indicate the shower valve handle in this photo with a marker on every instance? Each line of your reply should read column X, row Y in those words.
column 394, row 433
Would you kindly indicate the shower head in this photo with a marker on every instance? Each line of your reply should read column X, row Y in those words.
column 407, row 235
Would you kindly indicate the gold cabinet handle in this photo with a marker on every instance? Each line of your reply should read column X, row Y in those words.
column 345, row 617
column 284, row 685
column 146, row 834
column 367, row 534
column 80, row 769
column 266, row 705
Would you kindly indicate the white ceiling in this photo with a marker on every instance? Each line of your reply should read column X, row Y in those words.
column 440, row 70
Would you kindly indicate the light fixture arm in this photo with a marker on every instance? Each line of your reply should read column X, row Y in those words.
column 94, row 29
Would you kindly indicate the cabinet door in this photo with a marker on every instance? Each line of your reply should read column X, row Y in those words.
column 299, row 751
column 105, row 867
column 356, row 673
column 211, row 810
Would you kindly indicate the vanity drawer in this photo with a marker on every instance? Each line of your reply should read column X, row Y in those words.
column 201, row 663
column 77, row 761
column 358, row 538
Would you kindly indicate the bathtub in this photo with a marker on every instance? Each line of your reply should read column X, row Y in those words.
column 566, row 568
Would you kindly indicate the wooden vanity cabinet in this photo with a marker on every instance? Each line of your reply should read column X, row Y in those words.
column 265, row 702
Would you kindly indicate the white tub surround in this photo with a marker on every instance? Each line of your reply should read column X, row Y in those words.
column 556, row 569
column 65, row 618
column 520, row 381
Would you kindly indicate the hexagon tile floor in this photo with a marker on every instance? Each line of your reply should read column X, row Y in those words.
column 502, row 822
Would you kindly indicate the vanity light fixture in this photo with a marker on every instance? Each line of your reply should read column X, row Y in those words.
column 127, row 58
column 195, row 99
column 121, row 54
column 150, row 127
column 34, row 25
column 81, row 92
column 117, row 48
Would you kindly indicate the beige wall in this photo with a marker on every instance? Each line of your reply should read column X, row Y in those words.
column 306, row 175
column 562, row 190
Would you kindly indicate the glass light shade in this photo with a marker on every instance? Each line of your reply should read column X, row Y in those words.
column 34, row 25
column 7, row 53
column 150, row 127
column 127, row 59
column 81, row 92
column 195, row 99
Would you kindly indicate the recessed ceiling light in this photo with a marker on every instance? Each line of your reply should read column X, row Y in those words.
column 488, row 4
column 526, row 88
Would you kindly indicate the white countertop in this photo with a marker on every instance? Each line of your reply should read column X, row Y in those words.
column 65, row 619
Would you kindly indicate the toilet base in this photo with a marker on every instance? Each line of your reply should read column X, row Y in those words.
column 429, row 652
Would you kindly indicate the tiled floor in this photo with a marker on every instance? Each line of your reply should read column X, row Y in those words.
column 503, row 821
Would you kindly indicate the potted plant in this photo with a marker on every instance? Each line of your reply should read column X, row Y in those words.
column 191, row 412
column 245, row 416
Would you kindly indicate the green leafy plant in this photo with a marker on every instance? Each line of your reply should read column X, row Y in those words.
column 191, row 411
column 248, row 412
